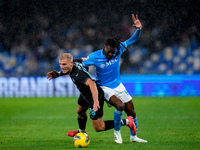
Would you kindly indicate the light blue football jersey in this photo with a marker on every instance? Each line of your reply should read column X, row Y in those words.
column 108, row 71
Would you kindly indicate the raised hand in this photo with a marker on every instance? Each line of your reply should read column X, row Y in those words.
column 136, row 21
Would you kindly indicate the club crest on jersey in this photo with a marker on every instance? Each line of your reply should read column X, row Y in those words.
column 102, row 65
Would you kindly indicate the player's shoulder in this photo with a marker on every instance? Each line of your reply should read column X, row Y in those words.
column 78, row 60
column 98, row 51
column 95, row 54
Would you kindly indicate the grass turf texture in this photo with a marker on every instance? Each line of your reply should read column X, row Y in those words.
column 41, row 123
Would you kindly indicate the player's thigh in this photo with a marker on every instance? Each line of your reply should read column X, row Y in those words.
column 108, row 92
column 117, row 103
column 120, row 92
column 112, row 97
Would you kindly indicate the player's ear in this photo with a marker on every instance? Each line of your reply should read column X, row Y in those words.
column 71, row 63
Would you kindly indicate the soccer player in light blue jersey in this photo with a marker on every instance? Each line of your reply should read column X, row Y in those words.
column 107, row 63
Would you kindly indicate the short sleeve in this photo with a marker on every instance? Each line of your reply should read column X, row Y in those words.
column 90, row 60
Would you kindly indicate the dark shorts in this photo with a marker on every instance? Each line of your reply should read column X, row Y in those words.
column 93, row 115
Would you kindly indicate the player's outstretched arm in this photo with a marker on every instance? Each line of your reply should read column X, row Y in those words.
column 136, row 22
column 52, row 74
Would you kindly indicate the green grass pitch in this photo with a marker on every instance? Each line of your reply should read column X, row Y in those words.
column 168, row 123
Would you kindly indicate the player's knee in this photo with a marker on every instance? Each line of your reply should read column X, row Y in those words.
column 99, row 125
column 97, row 128
column 78, row 112
column 81, row 114
column 120, row 106
column 134, row 114
column 115, row 101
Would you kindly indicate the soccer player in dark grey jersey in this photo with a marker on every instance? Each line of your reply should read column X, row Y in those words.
column 91, row 95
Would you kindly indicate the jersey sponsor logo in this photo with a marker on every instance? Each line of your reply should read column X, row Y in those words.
column 109, row 63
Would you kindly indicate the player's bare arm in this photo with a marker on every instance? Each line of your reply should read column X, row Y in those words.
column 94, row 91
column 136, row 21
column 52, row 74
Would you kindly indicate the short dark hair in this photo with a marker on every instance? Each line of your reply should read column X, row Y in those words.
column 112, row 42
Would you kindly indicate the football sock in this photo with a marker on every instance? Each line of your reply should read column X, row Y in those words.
column 136, row 124
column 124, row 122
column 80, row 130
column 82, row 123
column 117, row 119
column 135, row 121
column 109, row 124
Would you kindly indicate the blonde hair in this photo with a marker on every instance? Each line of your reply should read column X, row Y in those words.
column 67, row 56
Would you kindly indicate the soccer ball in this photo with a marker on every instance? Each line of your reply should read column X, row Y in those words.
column 81, row 140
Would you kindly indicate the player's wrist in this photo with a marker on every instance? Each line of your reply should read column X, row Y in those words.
column 96, row 101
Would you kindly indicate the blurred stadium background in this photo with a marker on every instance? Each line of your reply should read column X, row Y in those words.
column 165, row 60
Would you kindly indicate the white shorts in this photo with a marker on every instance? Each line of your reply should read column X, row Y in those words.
column 119, row 91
